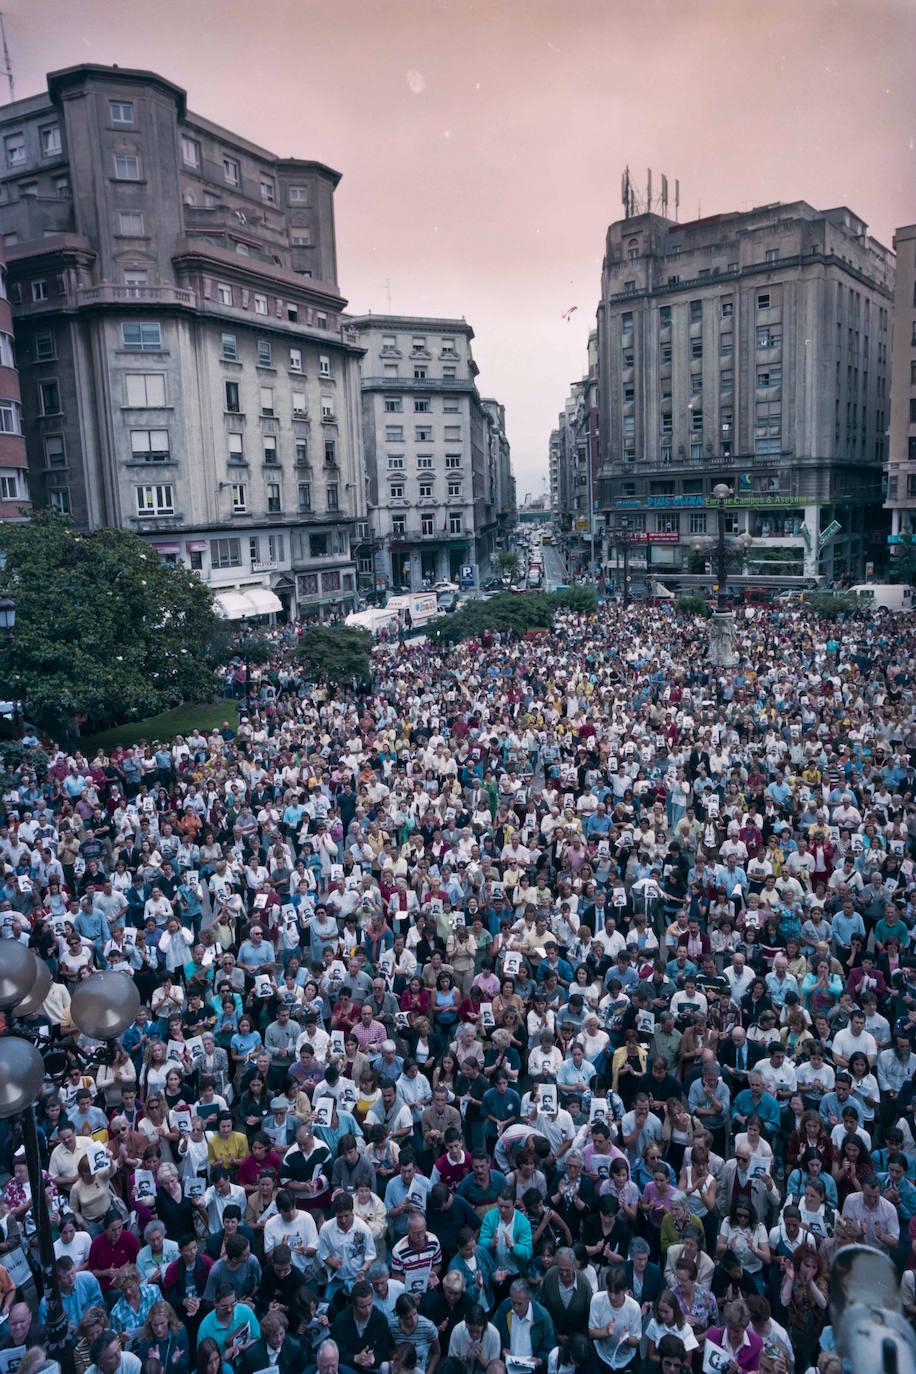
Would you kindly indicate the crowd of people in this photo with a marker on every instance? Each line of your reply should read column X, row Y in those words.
column 547, row 1008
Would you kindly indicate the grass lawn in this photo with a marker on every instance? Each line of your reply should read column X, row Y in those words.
column 180, row 721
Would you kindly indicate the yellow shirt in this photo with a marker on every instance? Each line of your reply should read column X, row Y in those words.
column 226, row 1152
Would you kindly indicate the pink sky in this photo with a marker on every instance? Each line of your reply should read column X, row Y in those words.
column 481, row 144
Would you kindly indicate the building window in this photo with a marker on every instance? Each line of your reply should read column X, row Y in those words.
column 726, row 345
column 299, row 406
column 398, row 524
column 769, row 376
column 427, row 524
column 15, row 150
column 267, row 400
column 55, row 453
column 394, row 434
column 260, row 303
column 763, row 300
column 330, row 452
column 727, row 310
column 696, row 348
column 423, row 434
column 452, row 433
column 44, row 346
column 696, row 522
column 327, row 407
column 629, row 426
column 155, row 500
column 265, row 353
column 270, row 448
column 450, row 374
column 302, row 451
column 665, row 353
column 224, row 293
column 767, row 447
column 122, row 113
column 305, row 496
column 452, row 460
column 239, row 498
column 149, row 445
column 50, row 141
column 298, row 195
column 236, row 447
column 424, row 461
column 324, row 365
column 667, row 424
column 330, row 581
column 393, row 405
column 665, row 455
column 231, row 171
column 627, row 322
column 307, row 584
column 422, row 406
column 295, row 360
column 332, row 496
column 420, row 373
column 454, row 522
column 629, row 287
column 772, row 255
column 49, row 398
column 454, row 489
column 9, row 486
column 396, row 491
column 318, row 546
column 39, row 290
column 696, row 452
column 145, row 390
column 268, row 191
column 226, row 553
column 696, row 385
column 727, row 381
column 190, row 153
column 127, row 167
column 141, row 338
column 696, row 312
column 273, row 498
column 696, row 421
column 425, row 491
column 59, row 498
column 130, row 223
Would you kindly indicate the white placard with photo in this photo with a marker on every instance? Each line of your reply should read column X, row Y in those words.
column 337, row 1042
column 11, row 1359
column 130, row 937
column 759, row 1166
column 337, row 871
column 262, row 985
column 195, row 1187
column 323, row 1112
column 715, row 1360
column 417, row 1280
column 182, row 1116
column 487, row 1019
column 547, row 1098
column 99, row 1158
column 598, row 1111
column 619, row 897
column 645, row 1022
column 144, row 1184
column 814, row 1222
column 435, row 907
column 512, row 964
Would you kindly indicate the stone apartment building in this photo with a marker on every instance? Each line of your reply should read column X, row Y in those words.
column 187, row 372
column 901, row 468
column 437, row 457
column 15, row 501
column 752, row 349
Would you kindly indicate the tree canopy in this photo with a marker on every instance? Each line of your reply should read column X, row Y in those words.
column 104, row 630
column 510, row 613
column 337, row 653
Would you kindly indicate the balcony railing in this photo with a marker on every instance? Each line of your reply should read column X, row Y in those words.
column 109, row 293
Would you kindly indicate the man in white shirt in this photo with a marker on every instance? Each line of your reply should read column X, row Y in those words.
column 854, row 1037
column 615, row 1323
column 288, row 1226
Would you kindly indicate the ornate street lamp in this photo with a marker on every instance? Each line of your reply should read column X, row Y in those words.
column 719, row 551
column 102, row 1007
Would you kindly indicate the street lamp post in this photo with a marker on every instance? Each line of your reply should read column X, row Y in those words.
column 721, row 492
column 7, row 624
column 102, row 1007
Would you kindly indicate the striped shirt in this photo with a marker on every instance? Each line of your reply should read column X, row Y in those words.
column 407, row 1260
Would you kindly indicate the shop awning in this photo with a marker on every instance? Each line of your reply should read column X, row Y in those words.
column 251, row 601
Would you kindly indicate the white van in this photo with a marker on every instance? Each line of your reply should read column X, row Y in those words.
column 888, row 596
column 420, row 607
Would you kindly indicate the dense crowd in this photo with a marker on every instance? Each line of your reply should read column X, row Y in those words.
column 549, row 1008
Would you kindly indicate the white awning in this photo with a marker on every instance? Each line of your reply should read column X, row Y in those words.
column 253, row 601
column 262, row 600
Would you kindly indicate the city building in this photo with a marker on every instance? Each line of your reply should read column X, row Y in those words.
column 15, row 502
column 901, row 465
column 187, row 371
column 437, row 459
column 750, row 349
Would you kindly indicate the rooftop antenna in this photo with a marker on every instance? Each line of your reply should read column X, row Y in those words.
column 7, row 64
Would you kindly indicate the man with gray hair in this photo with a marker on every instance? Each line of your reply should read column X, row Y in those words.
column 525, row 1327
column 566, row 1294
column 328, row 1358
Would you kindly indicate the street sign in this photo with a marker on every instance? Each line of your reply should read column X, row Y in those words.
column 466, row 575
column 826, row 535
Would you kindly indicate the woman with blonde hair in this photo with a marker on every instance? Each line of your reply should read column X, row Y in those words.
column 91, row 1325
column 164, row 1338
column 90, row 1196
column 137, row 1298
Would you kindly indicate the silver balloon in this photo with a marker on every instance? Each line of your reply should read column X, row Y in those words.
column 104, row 1005
column 18, row 971
column 22, row 1072
column 40, row 989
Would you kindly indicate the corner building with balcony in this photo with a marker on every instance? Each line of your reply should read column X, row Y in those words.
column 751, row 349
column 15, row 502
column 437, row 459
column 186, row 370
column 901, row 466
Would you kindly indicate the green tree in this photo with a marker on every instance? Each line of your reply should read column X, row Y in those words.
column 510, row 613
column 903, row 563
column 692, row 603
column 830, row 605
column 508, row 565
column 337, row 653
column 104, row 630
